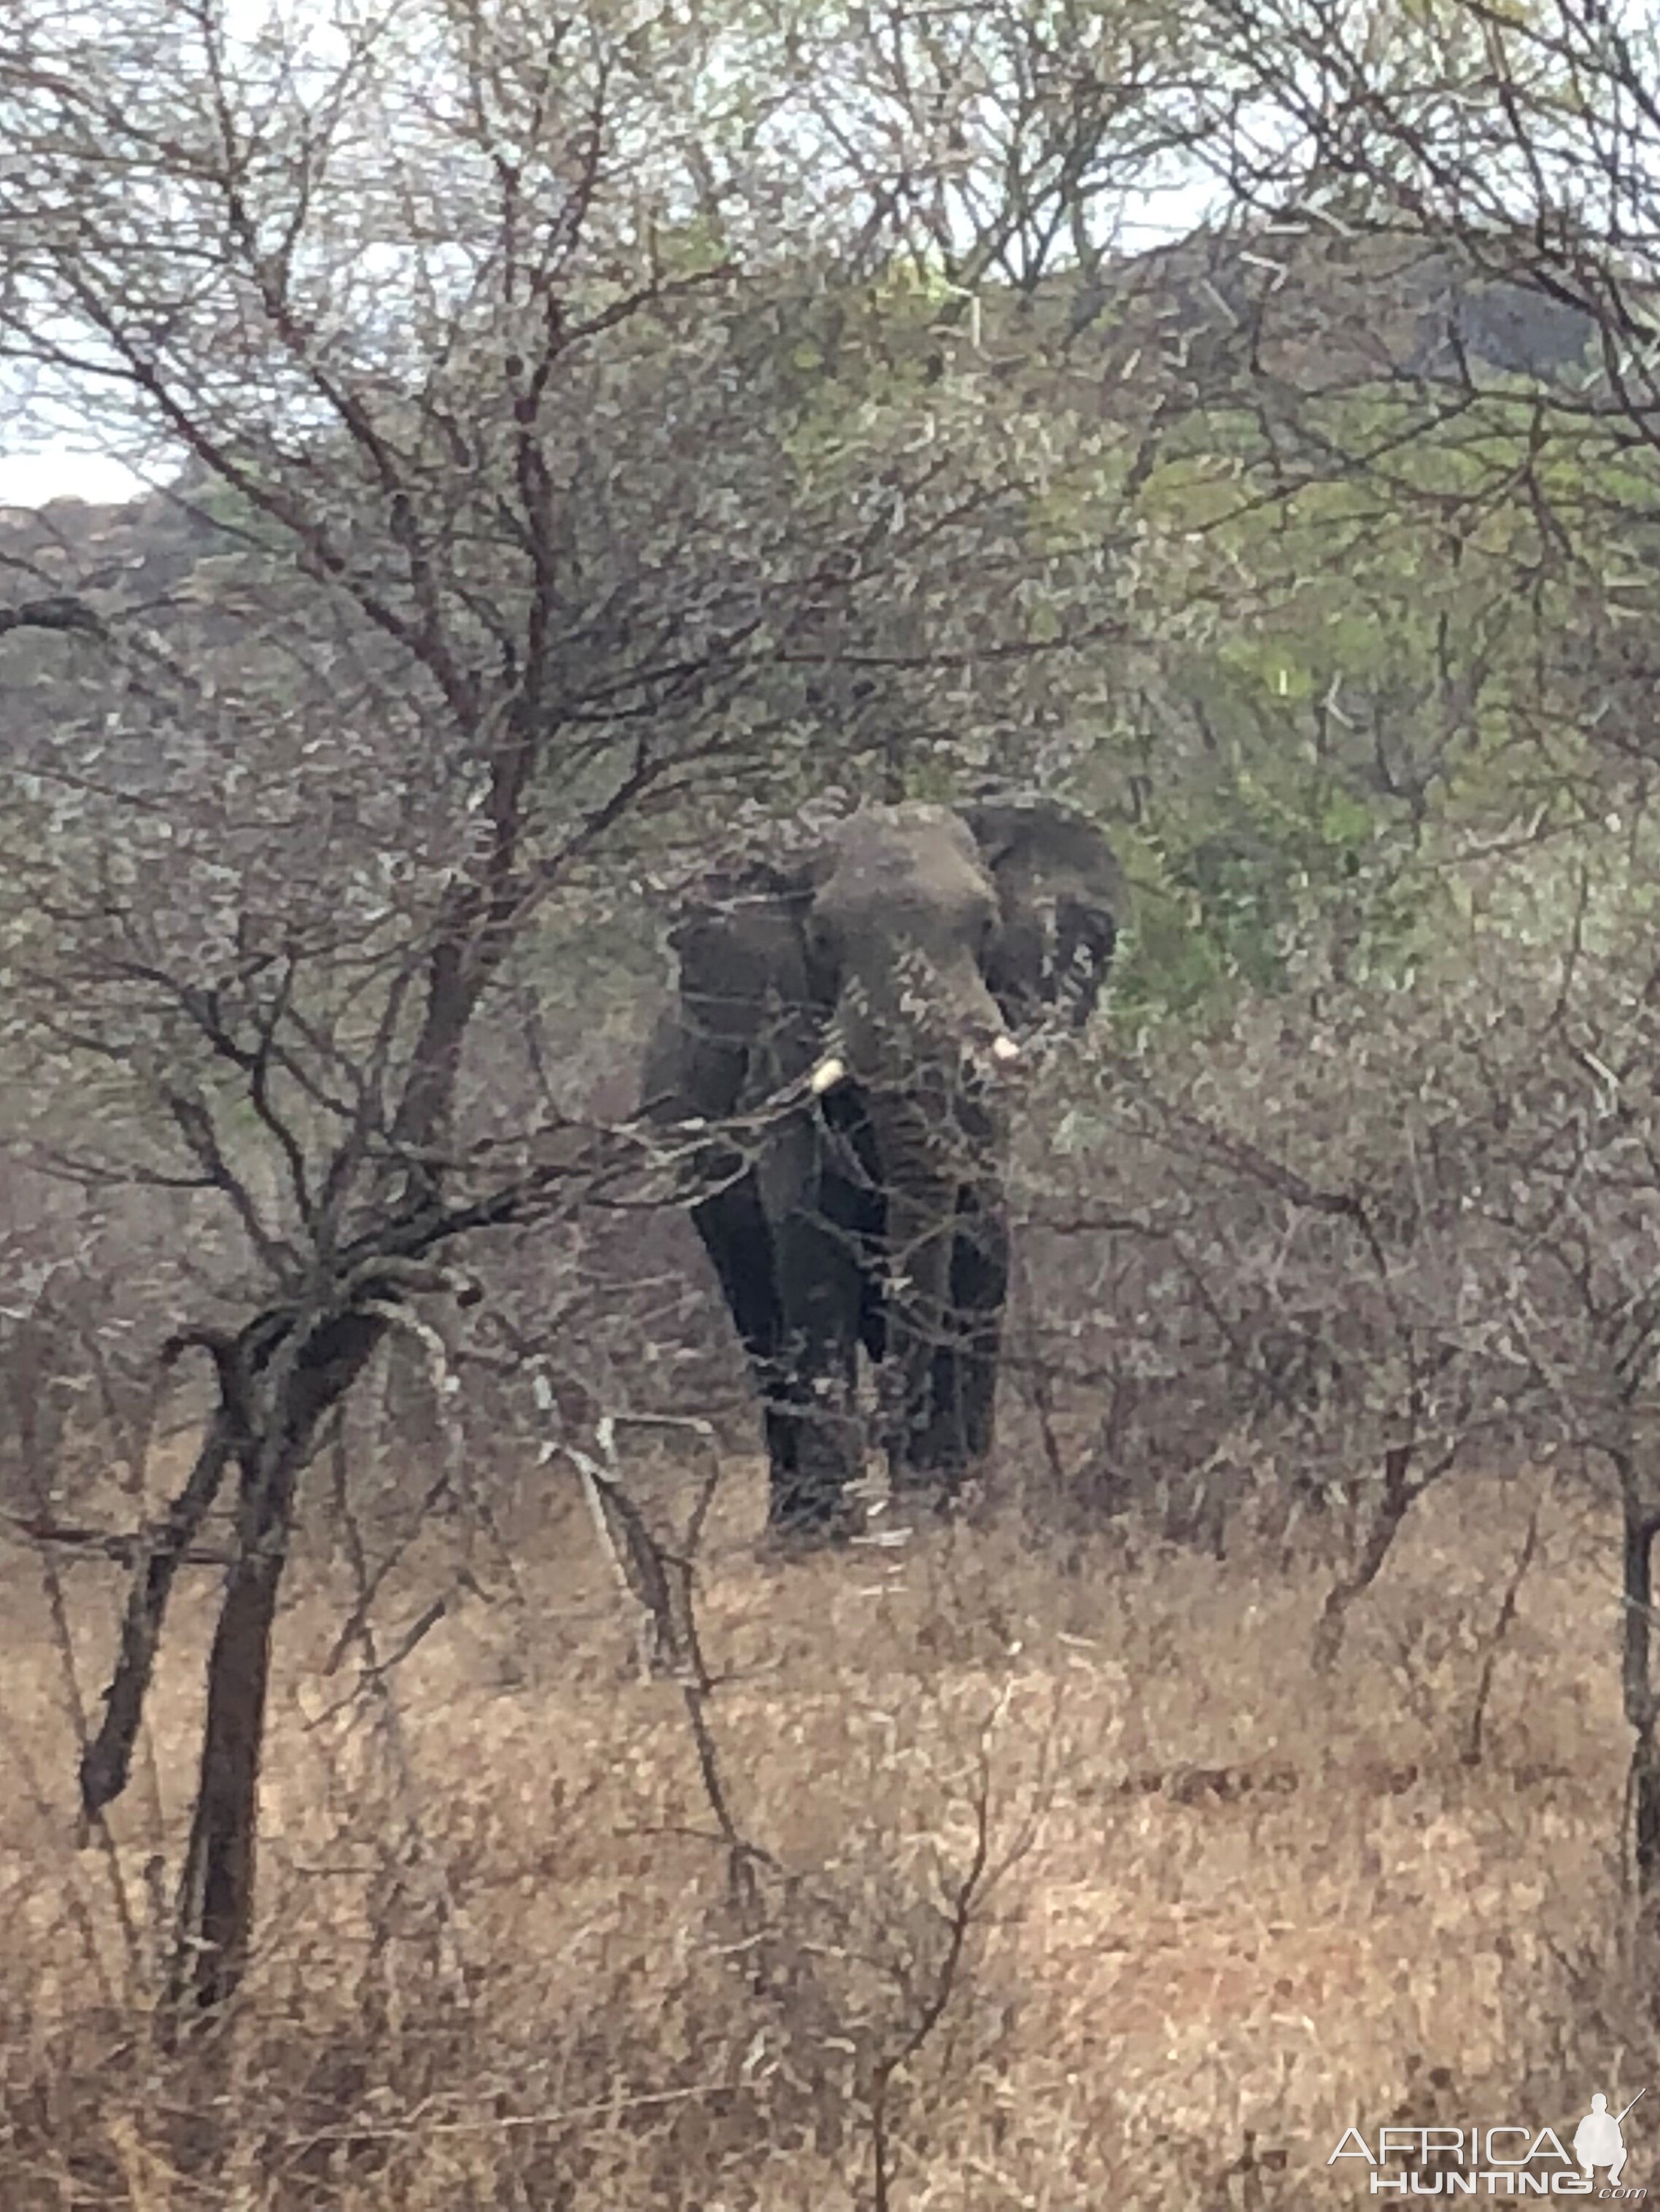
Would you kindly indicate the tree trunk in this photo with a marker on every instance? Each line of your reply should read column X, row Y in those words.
column 216, row 1888
column 214, row 1924
column 1641, row 1706
column 1399, row 1494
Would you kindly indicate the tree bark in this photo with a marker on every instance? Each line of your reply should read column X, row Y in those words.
column 1641, row 1707
column 214, row 1921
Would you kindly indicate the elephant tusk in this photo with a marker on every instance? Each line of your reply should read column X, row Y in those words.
column 1004, row 1051
column 827, row 1073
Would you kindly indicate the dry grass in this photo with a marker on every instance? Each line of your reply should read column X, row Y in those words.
column 1238, row 1907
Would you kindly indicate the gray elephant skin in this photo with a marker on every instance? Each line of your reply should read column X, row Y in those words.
column 857, row 1017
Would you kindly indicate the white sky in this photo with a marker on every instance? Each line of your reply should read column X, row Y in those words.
column 31, row 479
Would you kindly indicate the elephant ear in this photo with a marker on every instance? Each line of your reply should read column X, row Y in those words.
column 750, row 1009
column 1061, row 901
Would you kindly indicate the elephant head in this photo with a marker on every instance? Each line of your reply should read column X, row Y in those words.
column 900, row 917
column 887, row 980
column 936, row 940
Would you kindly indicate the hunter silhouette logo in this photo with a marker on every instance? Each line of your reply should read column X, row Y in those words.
column 1499, row 2162
column 1597, row 2140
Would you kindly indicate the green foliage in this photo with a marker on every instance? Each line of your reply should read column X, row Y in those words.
column 1335, row 670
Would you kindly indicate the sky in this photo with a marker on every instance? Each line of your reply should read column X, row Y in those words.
column 31, row 479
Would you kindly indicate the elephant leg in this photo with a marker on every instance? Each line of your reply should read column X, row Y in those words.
column 872, row 1301
column 963, row 1380
column 822, row 1290
column 738, row 1241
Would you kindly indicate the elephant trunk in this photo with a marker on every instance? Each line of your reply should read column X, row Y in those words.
column 923, row 1038
column 931, row 1149
column 923, row 1024
column 921, row 1234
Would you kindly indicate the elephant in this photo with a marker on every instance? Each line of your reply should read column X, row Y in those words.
column 844, row 1046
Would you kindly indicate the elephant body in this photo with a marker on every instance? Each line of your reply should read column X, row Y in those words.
column 847, row 1028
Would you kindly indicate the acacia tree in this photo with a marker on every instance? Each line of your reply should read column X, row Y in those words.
column 994, row 149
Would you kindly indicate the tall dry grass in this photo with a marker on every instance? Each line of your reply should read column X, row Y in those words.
column 1229, row 1906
